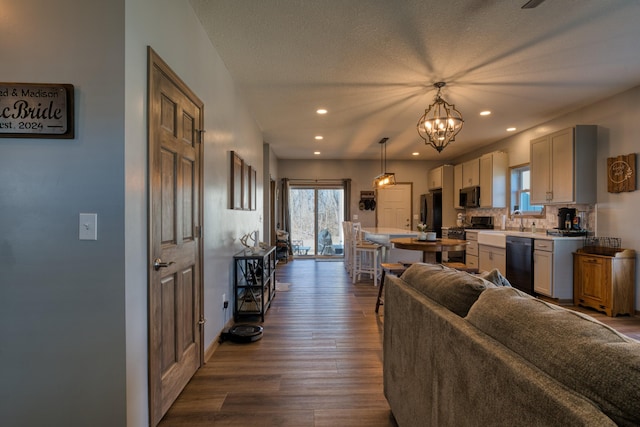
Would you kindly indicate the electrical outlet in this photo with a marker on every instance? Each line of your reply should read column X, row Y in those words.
column 225, row 303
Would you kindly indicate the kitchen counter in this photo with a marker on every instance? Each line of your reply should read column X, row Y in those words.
column 537, row 235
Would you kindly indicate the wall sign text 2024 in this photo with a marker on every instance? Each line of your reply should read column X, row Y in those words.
column 34, row 110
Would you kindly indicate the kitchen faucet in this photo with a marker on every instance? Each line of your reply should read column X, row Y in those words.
column 517, row 212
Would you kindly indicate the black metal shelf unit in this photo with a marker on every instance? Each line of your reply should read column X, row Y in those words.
column 254, row 282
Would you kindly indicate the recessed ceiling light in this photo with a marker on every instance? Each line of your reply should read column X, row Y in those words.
column 319, row 137
column 321, row 111
column 317, row 153
column 485, row 113
column 415, row 153
column 511, row 129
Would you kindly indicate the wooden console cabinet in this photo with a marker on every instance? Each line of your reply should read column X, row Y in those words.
column 605, row 281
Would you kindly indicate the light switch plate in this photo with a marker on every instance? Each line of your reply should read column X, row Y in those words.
column 88, row 228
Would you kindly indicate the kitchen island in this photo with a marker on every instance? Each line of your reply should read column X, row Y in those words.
column 383, row 236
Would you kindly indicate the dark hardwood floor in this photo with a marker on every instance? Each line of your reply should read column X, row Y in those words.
column 319, row 362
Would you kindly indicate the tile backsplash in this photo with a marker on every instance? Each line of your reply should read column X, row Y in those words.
column 549, row 221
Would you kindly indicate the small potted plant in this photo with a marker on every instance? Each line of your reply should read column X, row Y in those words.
column 422, row 228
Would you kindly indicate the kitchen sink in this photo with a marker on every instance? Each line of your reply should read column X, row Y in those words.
column 492, row 238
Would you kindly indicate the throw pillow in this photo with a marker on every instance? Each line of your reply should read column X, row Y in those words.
column 495, row 277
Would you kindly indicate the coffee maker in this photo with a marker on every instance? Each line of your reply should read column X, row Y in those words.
column 566, row 219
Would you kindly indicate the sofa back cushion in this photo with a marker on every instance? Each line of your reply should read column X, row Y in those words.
column 577, row 350
column 454, row 289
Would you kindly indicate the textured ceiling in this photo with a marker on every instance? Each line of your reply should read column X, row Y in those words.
column 372, row 64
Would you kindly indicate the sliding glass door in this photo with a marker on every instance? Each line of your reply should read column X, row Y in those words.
column 317, row 213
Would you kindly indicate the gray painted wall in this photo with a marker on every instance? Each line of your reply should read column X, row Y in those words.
column 62, row 305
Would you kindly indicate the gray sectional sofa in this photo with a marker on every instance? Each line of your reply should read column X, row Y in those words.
column 461, row 350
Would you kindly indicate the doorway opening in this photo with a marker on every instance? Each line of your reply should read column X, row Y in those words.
column 317, row 212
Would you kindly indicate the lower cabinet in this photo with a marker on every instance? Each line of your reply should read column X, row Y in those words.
column 491, row 257
column 543, row 272
column 471, row 255
column 605, row 282
column 553, row 267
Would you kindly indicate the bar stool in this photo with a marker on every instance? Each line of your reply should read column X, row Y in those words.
column 396, row 269
column 365, row 258
column 347, row 230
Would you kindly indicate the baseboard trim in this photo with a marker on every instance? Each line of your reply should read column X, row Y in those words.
column 556, row 301
column 208, row 353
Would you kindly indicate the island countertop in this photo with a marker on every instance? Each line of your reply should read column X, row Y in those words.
column 383, row 236
column 390, row 232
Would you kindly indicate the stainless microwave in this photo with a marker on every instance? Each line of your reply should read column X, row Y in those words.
column 470, row 197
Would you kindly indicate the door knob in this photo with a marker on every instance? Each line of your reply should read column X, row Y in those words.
column 158, row 264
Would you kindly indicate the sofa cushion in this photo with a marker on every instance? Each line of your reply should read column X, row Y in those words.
column 454, row 289
column 577, row 350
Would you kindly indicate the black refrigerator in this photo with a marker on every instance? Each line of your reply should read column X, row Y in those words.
column 431, row 211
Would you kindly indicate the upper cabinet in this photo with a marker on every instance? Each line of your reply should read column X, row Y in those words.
column 435, row 177
column 563, row 166
column 471, row 173
column 493, row 180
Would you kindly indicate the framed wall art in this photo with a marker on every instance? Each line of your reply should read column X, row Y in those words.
column 242, row 184
column 245, row 186
column 235, row 183
column 253, row 190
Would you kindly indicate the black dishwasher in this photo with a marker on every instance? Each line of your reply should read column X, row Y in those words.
column 520, row 263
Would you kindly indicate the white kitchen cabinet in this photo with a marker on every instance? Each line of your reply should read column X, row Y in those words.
column 543, row 271
column 563, row 166
column 493, row 180
column 457, row 185
column 491, row 257
column 435, row 177
column 553, row 267
column 471, row 255
column 471, row 173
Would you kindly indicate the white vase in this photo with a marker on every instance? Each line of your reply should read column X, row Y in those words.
column 422, row 236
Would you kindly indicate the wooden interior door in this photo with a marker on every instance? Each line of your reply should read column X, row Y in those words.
column 175, row 277
column 393, row 207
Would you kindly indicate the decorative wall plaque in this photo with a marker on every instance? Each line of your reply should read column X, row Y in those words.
column 34, row 110
column 621, row 173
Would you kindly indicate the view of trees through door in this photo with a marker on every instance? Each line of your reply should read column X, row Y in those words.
column 317, row 213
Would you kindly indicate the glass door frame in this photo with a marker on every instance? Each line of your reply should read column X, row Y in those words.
column 317, row 186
